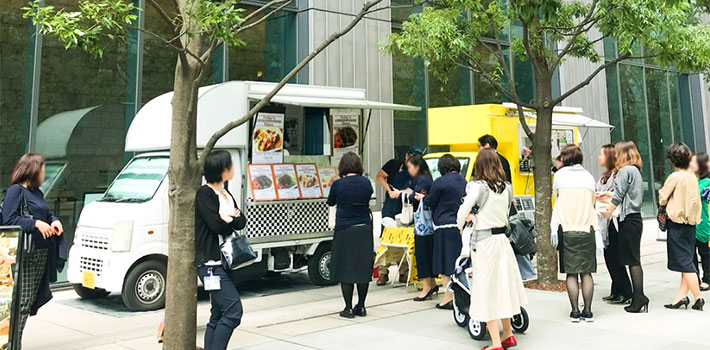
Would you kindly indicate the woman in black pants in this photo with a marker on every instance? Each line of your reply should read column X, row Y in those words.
column 24, row 205
column 628, row 196
column 620, row 284
column 217, row 216
column 352, row 260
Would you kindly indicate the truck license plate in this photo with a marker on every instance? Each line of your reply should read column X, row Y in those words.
column 88, row 279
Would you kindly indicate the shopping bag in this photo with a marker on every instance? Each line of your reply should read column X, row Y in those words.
column 662, row 235
column 236, row 250
column 332, row 210
column 407, row 211
column 423, row 224
column 662, row 218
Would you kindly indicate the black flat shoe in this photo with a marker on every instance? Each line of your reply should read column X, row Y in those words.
column 704, row 287
column 682, row 303
column 699, row 304
column 611, row 297
column 347, row 313
column 428, row 294
column 360, row 311
column 447, row 306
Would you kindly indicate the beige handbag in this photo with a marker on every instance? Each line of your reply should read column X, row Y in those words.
column 407, row 216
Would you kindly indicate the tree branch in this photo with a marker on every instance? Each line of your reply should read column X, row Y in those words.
column 267, row 99
column 524, row 123
column 166, row 17
column 263, row 18
column 580, row 28
column 263, row 8
column 591, row 76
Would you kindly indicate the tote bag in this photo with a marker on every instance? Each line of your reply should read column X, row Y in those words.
column 236, row 250
column 407, row 211
column 423, row 224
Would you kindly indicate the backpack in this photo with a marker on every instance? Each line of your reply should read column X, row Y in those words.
column 521, row 233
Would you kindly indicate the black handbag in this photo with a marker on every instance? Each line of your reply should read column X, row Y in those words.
column 662, row 218
column 236, row 251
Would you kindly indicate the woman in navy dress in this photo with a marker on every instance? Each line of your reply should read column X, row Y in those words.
column 444, row 199
column 423, row 245
column 351, row 262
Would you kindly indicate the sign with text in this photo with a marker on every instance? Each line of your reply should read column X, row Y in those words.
column 267, row 139
column 308, row 180
column 261, row 178
column 327, row 175
column 286, row 183
column 345, row 133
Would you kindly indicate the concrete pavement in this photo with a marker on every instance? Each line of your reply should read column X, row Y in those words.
column 307, row 319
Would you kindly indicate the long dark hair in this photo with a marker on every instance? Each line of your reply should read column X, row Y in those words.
column 610, row 163
column 418, row 161
column 702, row 160
column 27, row 170
column 489, row 169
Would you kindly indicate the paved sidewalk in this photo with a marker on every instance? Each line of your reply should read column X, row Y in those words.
column 307, row 319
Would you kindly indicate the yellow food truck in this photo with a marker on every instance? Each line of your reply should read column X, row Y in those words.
column 458, row 129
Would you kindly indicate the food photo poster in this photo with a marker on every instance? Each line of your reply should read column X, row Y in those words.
column 268, row 138
column 286, row 184
column 308, row 180
column 261, row 178
column 327, row 175
column 346, row 137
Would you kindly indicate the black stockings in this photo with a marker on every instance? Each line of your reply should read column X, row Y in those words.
column 637, row 280
column 587, row 290
column 349, row 288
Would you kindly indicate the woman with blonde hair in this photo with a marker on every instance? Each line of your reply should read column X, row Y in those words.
column 628, row 196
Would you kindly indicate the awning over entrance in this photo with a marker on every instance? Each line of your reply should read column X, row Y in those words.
column 564, row 116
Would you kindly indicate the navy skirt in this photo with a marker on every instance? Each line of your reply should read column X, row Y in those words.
column 352, row 259
column 447, row 248
column 424, row 253
column 681, row 247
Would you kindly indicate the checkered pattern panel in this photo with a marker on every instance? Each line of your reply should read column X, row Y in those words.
column 278, row 218
column 31, row 270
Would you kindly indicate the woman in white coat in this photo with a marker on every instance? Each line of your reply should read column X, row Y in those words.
column 497, row 292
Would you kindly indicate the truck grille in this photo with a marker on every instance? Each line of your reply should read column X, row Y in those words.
column 91, row 264
column 94, row 241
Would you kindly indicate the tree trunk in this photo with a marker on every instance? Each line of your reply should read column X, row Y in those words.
column 184, row 175
column 542, row 160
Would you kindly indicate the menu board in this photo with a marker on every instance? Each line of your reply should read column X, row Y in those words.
column 308, row 180
column 327, row 176
column 346, row 138
column 9, row 290
column 261, row 178
column 267, row 139
column 286, row 184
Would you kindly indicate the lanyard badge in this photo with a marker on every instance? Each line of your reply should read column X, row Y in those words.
column 211, row 281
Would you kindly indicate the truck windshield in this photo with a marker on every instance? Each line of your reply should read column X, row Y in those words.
column 138, row 181
column 433, row 162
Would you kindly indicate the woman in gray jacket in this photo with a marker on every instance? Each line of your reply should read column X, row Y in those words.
column 628, row 196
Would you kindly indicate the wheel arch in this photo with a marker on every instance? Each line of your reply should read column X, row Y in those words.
column 159, row 257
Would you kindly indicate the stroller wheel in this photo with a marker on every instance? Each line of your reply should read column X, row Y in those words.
column 476, row 329
column 521, row 321
column 460, row 318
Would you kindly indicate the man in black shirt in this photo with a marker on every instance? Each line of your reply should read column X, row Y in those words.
column 394, row 176
column 488, row 141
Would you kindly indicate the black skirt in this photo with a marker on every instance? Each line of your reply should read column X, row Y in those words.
column 578, row 252
column 353, row 256
column 447, row 248
column 630, row 240
column 681, row 247
column 424, row 254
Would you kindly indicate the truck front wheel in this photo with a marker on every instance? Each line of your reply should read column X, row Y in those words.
column 86, row 293
column 144, row 286
column 319, row 265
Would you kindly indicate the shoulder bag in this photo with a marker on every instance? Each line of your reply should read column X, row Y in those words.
column 236, row 251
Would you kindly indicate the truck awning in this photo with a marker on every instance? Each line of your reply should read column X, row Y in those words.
column 322, row 96
column 564, row 116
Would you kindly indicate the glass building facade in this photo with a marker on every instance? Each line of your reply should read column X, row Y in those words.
column 75, row 109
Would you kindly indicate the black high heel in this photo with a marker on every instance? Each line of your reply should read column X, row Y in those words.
column 447, row 306
column 683, row 302
column 428, row 294
column 638, row 305
column 699, row 304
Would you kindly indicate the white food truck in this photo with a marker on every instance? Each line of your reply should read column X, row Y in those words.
column 121, row 239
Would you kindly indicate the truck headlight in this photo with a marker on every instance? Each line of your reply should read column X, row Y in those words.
column 122, row 236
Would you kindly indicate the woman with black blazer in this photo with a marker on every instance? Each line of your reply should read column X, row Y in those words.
column 216, row 217
column 24, row 205
column 444, row 200
column 352, row 263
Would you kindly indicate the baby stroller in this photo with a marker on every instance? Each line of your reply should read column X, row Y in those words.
column 459, row 287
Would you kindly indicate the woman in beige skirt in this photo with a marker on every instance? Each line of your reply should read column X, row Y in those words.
column 497, row 291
